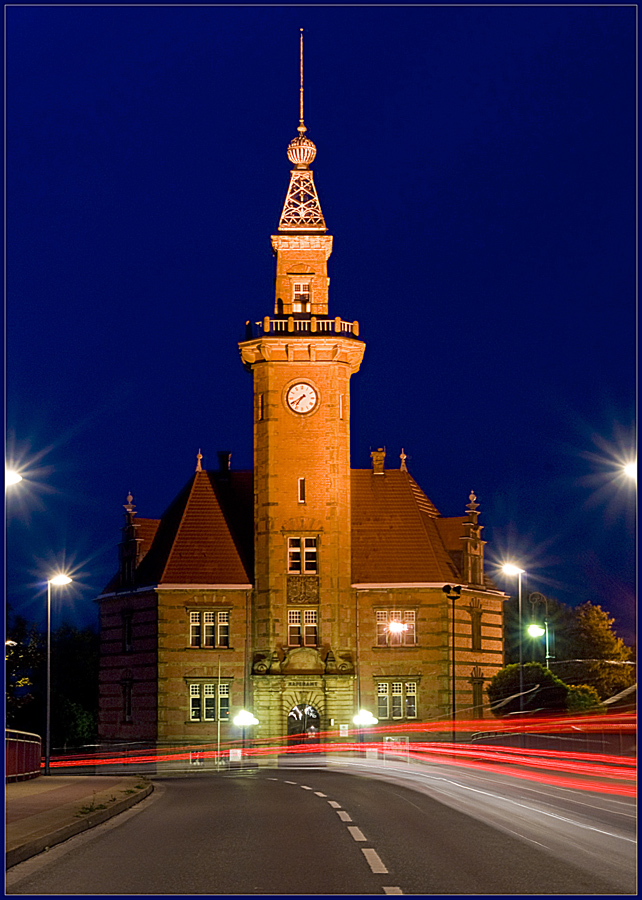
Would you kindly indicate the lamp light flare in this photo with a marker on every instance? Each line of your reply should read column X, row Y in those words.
column 60, row 579
column 631, row 470
column 396, row 627
column 12, row 477
column 510, row 569
column 536, row 630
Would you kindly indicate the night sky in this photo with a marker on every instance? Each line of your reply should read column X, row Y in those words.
column 476, row 167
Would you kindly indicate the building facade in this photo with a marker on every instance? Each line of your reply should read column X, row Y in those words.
column 303, row 590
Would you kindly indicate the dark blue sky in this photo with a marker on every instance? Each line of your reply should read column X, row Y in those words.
column 476, row 167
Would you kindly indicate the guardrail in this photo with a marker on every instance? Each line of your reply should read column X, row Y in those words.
column 23, row 754
column 302, row 325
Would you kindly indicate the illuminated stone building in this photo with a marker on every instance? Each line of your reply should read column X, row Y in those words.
column 304, row 590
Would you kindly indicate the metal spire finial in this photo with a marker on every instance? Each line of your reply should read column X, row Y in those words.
column 199, row 457
column 301, row 129
column 403, row 457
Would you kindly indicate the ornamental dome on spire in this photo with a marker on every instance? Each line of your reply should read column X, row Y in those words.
column 301, row 150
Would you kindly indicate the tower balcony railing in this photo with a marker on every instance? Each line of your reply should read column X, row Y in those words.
column 302, row 324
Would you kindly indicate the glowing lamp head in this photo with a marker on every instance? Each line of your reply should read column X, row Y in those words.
column 631, row 471
column 245, row 718
column 536, row 630
column 11, row 477
column 510, row 569
column 364, row 717
column 59, row 580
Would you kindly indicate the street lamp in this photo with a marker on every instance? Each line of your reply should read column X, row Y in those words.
column 536, row 630
column 511, row 569
column 11, row 477
column 453, row 593
column 631, row 470
column 243, row 720
column 58, row 581
column 363, row 717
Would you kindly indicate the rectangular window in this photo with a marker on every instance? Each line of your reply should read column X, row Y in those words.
column 301, row 297
column 310, row 627
column 306, row 548
column 397, row 700
column 382, row 700
column 294, row 627
column 195, row 702
column 294, row 554
column 209, row 629
column 209, row 696
column 202, row 702
column 259, row 407
column 340, row 406
column 403, row 697
column 411, row 700
column 195, row 629
column 301, row 490
column 224, row 702
column 302, row 627
column 209, row 623
column 310, row 560
column 395, row 627
column 223, row 629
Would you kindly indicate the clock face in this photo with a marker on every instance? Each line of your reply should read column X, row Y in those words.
column 301, row 397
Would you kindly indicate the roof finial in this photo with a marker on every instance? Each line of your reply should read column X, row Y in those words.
column 301, row 129
column 130, row 507
column 199, row 457
column 403, row 458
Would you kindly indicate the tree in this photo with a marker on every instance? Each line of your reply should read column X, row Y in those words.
column 582, row 697
column 542, row 690
column 24, row 670
column 587, row 650
column 74, row 686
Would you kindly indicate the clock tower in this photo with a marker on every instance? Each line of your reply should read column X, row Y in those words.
column 303, row 615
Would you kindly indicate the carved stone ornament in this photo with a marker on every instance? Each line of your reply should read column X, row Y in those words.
column 303, row 589
column 303, row 661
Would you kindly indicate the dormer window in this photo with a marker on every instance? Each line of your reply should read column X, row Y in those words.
column 301, row 296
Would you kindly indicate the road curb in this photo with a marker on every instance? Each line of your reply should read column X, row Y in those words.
column 36, row 845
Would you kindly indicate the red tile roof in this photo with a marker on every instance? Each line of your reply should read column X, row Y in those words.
column 395, row 538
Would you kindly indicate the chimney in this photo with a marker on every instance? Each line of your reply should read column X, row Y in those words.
column 378, row 459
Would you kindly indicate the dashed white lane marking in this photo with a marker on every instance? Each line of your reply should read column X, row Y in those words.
column 320, row 794
column 392, row 890
column 305, row 787
column 374, row 860
column 344, row 816
column 334, row 804
column 290, row 782
column 272, row 779
column 357, row 834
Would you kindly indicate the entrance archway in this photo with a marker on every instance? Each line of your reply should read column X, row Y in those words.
column 304, row 724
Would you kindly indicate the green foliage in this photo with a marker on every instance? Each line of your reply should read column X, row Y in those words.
column 542, row 690
column 587, row 650
column 582, row 697
column 24, row 665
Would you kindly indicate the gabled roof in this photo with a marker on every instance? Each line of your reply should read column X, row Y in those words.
column 395, row 537
column 203, row 537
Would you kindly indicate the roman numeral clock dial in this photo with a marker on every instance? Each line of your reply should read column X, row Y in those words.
column 301, row 398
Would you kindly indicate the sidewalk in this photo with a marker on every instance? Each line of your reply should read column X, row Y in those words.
column 44, row 811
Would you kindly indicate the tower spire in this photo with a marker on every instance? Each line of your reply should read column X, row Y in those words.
column 302, row 210
column 301, row 129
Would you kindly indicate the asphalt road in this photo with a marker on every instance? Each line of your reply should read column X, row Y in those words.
column 297, row 832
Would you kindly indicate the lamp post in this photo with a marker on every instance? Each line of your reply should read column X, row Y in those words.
column 536, row 630
column 453, row 594
column 363, row 717
column 511, row 569
column 242, row 721
column 58, row 581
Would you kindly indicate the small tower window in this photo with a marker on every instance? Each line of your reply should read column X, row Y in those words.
column 301, row 297
column 301, row 490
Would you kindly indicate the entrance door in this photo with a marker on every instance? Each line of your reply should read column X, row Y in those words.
column 303, row 725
